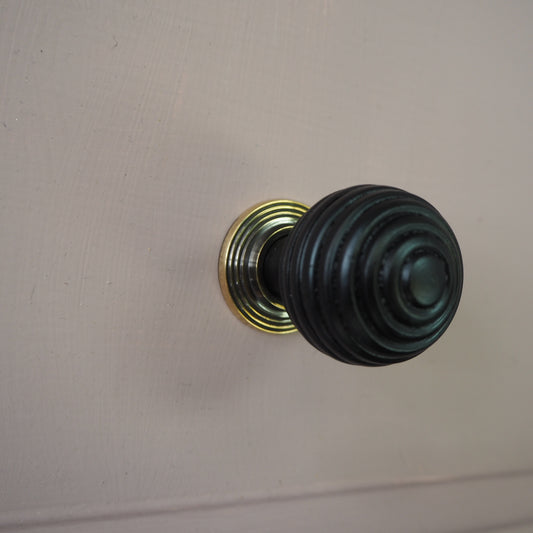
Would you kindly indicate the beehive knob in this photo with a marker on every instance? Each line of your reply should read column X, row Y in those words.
column 369, row 275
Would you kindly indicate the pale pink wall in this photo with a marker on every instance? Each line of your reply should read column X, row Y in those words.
column 131, row 135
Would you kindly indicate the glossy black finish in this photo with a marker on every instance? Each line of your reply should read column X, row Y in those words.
column 370, row 275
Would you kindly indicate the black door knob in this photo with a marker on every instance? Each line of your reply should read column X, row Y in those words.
column 369, row 275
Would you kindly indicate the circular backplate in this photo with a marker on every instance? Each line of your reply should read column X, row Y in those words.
column 238, row 269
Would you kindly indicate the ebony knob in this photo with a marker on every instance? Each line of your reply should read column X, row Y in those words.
column 369, row 275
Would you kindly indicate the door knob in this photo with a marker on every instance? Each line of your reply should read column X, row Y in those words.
column 370, row 275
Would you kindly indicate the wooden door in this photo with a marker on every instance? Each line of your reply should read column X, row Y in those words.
column 131, row 135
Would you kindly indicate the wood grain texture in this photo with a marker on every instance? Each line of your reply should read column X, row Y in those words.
column 133, row 133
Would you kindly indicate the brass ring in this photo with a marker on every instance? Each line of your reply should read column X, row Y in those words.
column 238, row 271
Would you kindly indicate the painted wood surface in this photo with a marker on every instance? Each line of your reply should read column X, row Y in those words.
column 133, row 133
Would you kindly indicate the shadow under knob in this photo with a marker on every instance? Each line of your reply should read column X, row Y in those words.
column 370, row 275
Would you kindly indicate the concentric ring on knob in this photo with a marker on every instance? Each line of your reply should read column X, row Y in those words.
column 239, row 266
column 371, row 275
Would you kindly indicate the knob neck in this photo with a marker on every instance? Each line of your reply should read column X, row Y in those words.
column 270, row 265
